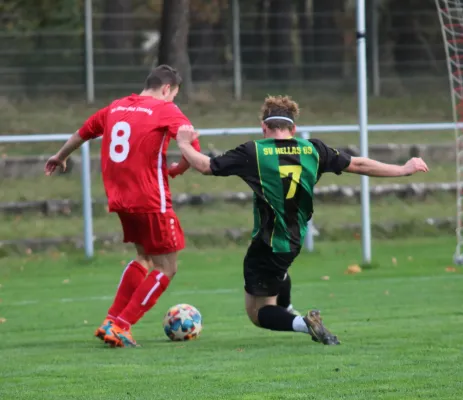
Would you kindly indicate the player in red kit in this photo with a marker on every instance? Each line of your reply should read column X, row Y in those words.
column 136, row 131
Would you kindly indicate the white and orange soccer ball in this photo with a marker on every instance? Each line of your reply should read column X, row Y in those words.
column 182, row 322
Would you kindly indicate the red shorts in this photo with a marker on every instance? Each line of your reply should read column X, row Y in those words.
column 157, row 233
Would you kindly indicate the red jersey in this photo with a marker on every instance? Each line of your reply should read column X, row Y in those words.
column 136, row 132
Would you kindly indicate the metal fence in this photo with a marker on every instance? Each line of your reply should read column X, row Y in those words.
column 304, row 42
column 304, row 131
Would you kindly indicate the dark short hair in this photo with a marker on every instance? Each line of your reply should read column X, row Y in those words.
column 162, row 75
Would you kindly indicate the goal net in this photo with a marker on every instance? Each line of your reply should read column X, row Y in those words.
column 451, row 20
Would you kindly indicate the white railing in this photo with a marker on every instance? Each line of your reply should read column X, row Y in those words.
column 305, row 131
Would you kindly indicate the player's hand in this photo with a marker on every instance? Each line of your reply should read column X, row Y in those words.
column 53, row 163
column 415, row 165
column 186, row 134
column 173, row 170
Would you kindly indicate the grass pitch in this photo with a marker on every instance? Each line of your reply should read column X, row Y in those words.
column 399, row 323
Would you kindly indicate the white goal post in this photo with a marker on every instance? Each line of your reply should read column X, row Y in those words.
column 451, row 21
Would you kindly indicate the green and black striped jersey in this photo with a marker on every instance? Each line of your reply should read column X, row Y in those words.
column 282, row 174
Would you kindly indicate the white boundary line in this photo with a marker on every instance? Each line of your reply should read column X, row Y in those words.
column 106, row 298
column 231, row 290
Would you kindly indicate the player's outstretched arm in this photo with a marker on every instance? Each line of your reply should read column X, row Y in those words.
column 59, row 159
column 367, row 166
column 200, row 162
column 91, row 129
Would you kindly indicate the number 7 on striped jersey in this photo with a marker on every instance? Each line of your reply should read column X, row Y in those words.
column 293, row 172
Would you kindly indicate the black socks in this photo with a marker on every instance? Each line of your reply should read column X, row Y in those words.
column 275, row 318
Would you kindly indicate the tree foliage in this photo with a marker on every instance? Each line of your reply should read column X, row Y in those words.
column 30, row 16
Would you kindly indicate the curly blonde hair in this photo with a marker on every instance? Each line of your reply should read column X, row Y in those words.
column 279, row 106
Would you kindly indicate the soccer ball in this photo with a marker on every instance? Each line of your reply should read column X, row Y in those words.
column 182, row 322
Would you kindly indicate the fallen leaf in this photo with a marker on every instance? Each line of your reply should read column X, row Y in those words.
column 325, row 278
column 29, row 252
column 450, row 269
column 410, row 258
column 357, row 236
column 66, row 281
column 386, row 292
column 394, row 261
column 353, row 269
column 2, row 320
column 123, row 262
column 240, row 350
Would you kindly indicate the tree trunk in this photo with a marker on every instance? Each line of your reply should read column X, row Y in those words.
column 207, row 44
column 173, row 49
column 118, row 32
column 328, row 39
column 305, row 38
column 280, row 54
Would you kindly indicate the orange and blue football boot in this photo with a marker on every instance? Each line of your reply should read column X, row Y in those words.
column 103, row 329
column 118, row 337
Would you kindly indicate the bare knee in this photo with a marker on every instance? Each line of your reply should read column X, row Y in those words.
column 142, row 258
column 253, row 316
column 255, row 303
column 143, row 262
column 168, row 269
column 166, row 263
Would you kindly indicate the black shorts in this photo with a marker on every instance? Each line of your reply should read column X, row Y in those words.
column 264, row 271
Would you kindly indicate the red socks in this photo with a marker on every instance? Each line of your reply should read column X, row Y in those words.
column 136, row 294
column 132, row 277
column 143, row 299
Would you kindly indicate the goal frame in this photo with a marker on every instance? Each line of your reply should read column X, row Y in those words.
column 450, row 14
